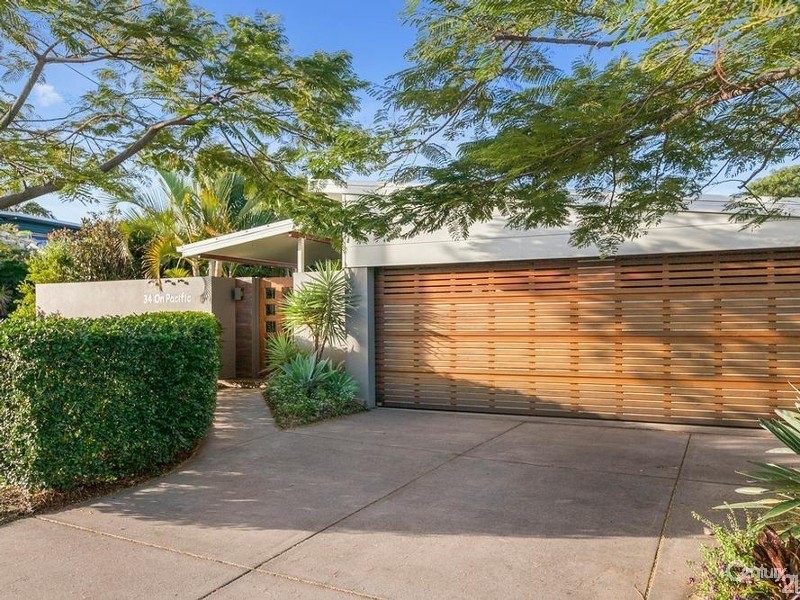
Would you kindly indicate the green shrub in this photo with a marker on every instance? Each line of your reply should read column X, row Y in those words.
column 307, row 390
column 747, row 562
column 85, row 401
column 96, row 252
column 15, row 248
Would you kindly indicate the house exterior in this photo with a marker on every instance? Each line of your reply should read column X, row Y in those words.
column 39, row 227
column 696, row 322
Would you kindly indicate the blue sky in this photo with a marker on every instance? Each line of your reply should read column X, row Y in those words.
column 371, row 30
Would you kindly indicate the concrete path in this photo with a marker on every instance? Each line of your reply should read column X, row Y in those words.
column 395, row 504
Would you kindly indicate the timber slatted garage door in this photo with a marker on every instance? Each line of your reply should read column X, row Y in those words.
column 697, row 338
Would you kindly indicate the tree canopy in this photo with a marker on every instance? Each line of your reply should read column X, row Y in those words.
column 610, row 112
column 167, row 84
column 181, row 211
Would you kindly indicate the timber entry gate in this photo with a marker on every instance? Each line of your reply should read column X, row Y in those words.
column 709, row 338
column 272, row 292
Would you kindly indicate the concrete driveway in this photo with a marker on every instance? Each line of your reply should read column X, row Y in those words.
column 395, row 504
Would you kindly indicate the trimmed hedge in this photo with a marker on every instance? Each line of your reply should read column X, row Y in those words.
column 85, row 401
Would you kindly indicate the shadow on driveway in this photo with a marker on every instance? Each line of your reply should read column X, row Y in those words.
column 398, row 503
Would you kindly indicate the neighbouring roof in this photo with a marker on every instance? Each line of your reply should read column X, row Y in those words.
column 39, row 227
column 273, row 244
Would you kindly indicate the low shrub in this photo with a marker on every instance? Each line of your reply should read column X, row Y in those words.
column 15, row 248
column 307, row 390
column 85, row 401
column 729, row 568
column 98, row 251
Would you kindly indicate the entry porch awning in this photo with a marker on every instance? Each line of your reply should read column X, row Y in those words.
column 278, row 244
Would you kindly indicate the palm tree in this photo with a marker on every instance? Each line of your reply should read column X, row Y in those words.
column 182, row 211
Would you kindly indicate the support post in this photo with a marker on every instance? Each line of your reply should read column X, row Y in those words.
column 301, row 255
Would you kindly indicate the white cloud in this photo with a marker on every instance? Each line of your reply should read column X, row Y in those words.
column 45, row 95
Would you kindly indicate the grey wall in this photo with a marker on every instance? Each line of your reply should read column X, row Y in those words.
column 138, row 296
column 493, row 241
column 360, row 347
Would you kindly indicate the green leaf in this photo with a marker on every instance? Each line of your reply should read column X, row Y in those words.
column 780, row 509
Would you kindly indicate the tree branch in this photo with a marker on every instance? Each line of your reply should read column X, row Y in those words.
column 529, row 39
column 766, row 80
column 14, row 109
column 132, row 149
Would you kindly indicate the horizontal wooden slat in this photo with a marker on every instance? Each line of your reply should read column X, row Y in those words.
column 704, row 337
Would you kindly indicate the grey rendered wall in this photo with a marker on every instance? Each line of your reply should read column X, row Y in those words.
column 357, row 350
column 360, row 359
column 493, row 241
column 138, row 296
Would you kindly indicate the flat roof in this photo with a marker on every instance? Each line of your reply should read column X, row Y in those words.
column 273, row 244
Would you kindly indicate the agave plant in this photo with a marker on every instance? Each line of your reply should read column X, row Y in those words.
column 342, row 383
column 307, row 370
column 778, row 487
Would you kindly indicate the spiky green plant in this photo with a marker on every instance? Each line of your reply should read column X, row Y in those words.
column 181, row 211
column 777, row 488
column 321, row 306
column 281, row 349
column 308, row 371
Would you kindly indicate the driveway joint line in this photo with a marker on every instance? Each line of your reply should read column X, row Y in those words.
column 662, row 534
column 385, row 496
column 234, row 445
column 380, row 444
column 139, row 542
column 311, row 582
column 245, row 569
column 569, row 468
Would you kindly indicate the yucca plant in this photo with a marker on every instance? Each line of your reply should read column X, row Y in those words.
column 778, row 489
column 281, row 349
column 321, row 306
